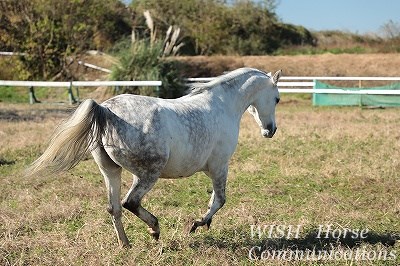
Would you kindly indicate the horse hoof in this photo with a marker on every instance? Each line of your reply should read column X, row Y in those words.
column 209, row 223
column 126, row 245
column 194, row 227
column 154, row 234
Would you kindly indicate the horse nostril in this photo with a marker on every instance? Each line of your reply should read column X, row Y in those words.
column 271, row 128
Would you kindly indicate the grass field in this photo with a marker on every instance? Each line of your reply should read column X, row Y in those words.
column 335, row 167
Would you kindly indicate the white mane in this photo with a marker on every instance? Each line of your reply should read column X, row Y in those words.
column 225, row 80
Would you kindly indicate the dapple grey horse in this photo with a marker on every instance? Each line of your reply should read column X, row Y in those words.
column 163, row 138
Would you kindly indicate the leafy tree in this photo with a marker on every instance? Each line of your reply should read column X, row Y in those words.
column 253, row 29
column 49, row 32
column 391, row 29
column 202, row 21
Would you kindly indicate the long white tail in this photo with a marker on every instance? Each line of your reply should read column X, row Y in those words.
column 72, row 139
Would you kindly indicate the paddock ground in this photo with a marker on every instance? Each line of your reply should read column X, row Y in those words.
column 325, row 166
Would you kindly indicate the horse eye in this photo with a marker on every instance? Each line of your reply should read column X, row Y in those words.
column 277, row 100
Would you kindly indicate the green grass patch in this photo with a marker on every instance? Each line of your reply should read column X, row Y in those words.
column 42, row 94
column 14, row 95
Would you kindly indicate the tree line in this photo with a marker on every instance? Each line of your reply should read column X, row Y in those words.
column 240, row 27
column 50, row 33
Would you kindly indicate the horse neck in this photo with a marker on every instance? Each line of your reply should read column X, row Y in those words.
column 242, row 97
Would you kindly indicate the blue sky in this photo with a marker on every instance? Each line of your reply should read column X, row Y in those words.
column 357, row 16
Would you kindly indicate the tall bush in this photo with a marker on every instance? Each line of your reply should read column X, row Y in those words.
column 143, row 60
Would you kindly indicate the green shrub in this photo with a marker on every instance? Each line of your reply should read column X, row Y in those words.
column 143, row 60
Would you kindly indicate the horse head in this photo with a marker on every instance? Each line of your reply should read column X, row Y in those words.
column 263, row 107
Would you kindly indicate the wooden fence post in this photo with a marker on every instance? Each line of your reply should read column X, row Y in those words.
column 32, row 97
column 71, row 95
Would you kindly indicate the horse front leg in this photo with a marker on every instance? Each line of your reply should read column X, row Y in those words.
column 217, row 198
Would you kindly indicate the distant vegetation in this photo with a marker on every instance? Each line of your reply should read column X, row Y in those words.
column 214, row 27
column 52, row 34
column 339, row 42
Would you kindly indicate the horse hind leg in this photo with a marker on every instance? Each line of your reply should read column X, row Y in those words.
column 132, row 202
column 112, row 177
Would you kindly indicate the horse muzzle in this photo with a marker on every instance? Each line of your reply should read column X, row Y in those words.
column 268, row 133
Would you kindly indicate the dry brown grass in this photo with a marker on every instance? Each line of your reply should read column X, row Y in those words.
column 23, row 125
column 324, row 166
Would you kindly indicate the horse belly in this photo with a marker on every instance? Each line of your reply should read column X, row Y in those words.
column 184, row 164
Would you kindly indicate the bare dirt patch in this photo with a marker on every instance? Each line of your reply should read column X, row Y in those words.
column 24, row 124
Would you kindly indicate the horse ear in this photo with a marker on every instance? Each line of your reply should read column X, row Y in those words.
column 276, row 77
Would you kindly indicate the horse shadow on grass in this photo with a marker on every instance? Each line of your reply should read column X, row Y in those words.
column 313, row 240
column 6, row 162
column 33, row 114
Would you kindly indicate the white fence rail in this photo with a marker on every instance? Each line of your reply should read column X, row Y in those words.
column 94, row 67
column 307, row 85
column 293, row 87
column 286, row 85
column 78, row 83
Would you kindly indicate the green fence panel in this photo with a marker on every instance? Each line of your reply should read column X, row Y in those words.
column 325, row 99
